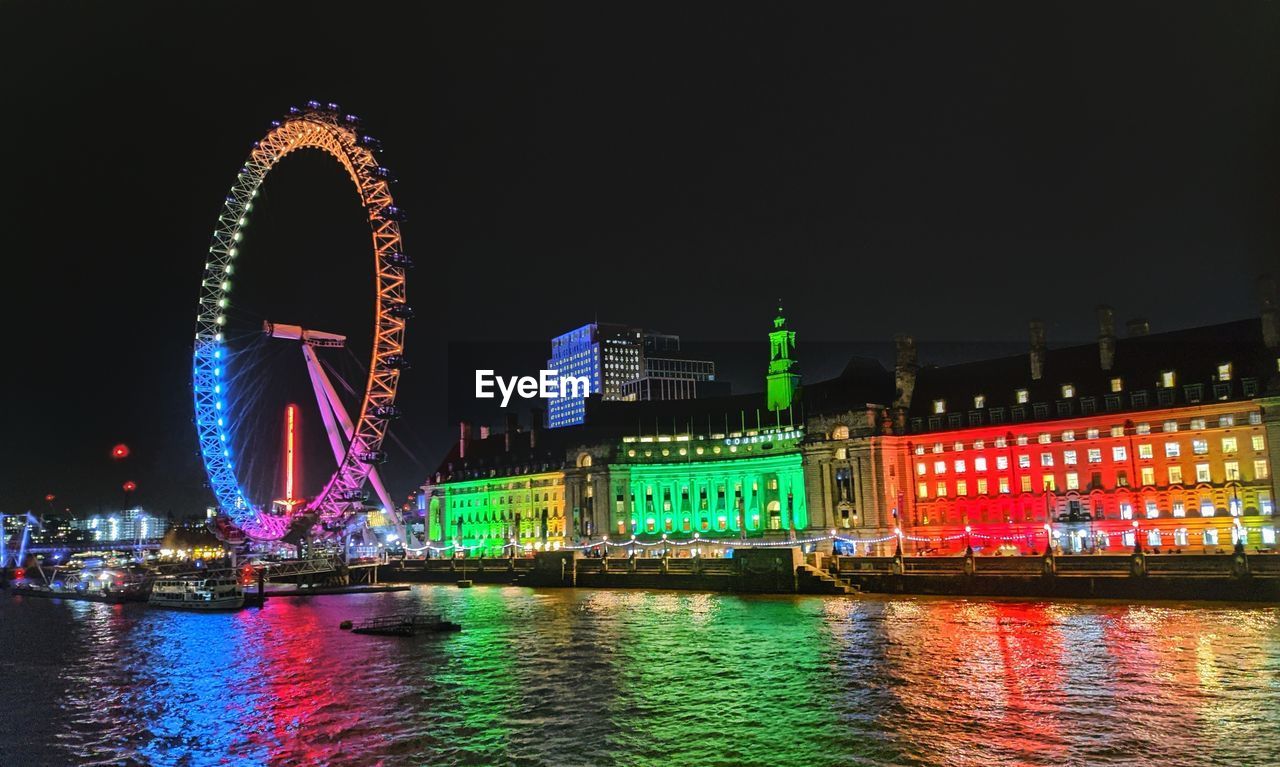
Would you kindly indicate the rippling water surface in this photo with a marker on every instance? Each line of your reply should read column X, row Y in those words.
column 641, row 678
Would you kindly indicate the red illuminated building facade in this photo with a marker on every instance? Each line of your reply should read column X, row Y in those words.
column 1165, row 440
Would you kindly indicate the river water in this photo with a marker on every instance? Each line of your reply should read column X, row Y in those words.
column 567, row 677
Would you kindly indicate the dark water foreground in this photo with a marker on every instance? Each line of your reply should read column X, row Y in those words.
column 642, row 678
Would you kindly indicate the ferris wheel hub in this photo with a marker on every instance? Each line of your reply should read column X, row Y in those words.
column 305, row 335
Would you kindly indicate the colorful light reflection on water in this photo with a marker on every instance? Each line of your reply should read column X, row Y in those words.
column 641, row 678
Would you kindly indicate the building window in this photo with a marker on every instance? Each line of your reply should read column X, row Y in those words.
column 1145, row 451
column 1024, row 461
column 1046, row 459
column 942, row 489
column 980, row 463
column 1095, row 455
column 1175, row 475
column 958, row 446
column 939, row 467
column 1112, row 402
column 1259, row 442
column 1153, row 511
column 1148, row 475
column 1194, row 392
column 1002, row 462
column 1021, row 396
column 1117, row 431
column 939, row 406
column 979, row 401
column 1073, row 481
column 1126, row 511
column 1211, row 537
column 978, row 444
column 919, row 449
column 962, row 487
column 1142, row 428
column 1117, row 384
column 1168, row 379
column 1261, row 469
column 1200, row 446
column 1225, row 421
column 1091, row 434
column 1022, row 439
column 1172, row 450
column 1048, row 483
column 1202, row 472
column 1001, row 442
column 1224, row 371
column 1069, row 458
column 937, row 447
column 982, row 486
column 1197, row 424
column 953, row 420
column 1118, row 453
column 1139, row 398
column 1222, row 391
column 1026, row 483
column 1068, row 436
column 1250, row 387
column 1088, row 405
column 1122, row 479
column 1269, row 535
column 996, row 415
column 1229, row 444
column 1232, row 470
column 960, row 466
column 922, row 489
column 1041, row 410
column 1044, row 438
column 1004, row 485
column 921, row 469
column 1179, row 509
column 1068, row 391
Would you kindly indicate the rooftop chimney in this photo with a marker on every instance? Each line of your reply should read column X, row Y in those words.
column 1138, row 326
column 1270, row 312
column 513, row 426
column 536, row 422
column 1037, row 350
column 1106, row 336
column 905, row 370
column 464, row 436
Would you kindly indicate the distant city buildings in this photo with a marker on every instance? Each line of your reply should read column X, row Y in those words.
column 626, row 363
column 128, row 525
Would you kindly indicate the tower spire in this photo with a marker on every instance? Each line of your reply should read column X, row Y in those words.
column 783, row 379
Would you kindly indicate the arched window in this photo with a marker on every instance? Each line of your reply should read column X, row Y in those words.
column 840, row 432
column 775, row 515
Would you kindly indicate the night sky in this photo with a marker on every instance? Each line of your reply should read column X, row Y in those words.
column 945, row 169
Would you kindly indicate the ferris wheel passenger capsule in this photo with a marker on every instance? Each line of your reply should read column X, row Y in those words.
column 373, row 457
column 392, row 213
column 395, row 362
column 386, row 411
column 369, row 142
column 403, row 311
column 396, row 258
column 313, row 104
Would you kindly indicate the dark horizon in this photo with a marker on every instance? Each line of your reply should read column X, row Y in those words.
column 946, row 172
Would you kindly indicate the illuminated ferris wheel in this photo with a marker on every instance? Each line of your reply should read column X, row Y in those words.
column 356, row 442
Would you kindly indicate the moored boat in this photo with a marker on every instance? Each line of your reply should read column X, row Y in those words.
column 198, row 593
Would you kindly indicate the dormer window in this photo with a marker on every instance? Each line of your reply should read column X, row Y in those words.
column 1168, row 379
column 979, row 401
column 939, row 406
column 1224, row 371
column 1022, row 396
column 1117, row 385
column 1068, row 391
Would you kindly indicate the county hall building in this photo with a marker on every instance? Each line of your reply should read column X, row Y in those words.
column 1153, row 439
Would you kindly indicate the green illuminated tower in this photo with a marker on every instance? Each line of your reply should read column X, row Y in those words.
column 784, row 378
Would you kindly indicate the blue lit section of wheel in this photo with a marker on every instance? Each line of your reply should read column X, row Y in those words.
column 323, row 127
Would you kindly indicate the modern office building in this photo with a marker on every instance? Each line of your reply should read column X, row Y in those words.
column 128, row 525
column 626, row 363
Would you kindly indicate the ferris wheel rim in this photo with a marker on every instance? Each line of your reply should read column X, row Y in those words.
column 319, row 127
